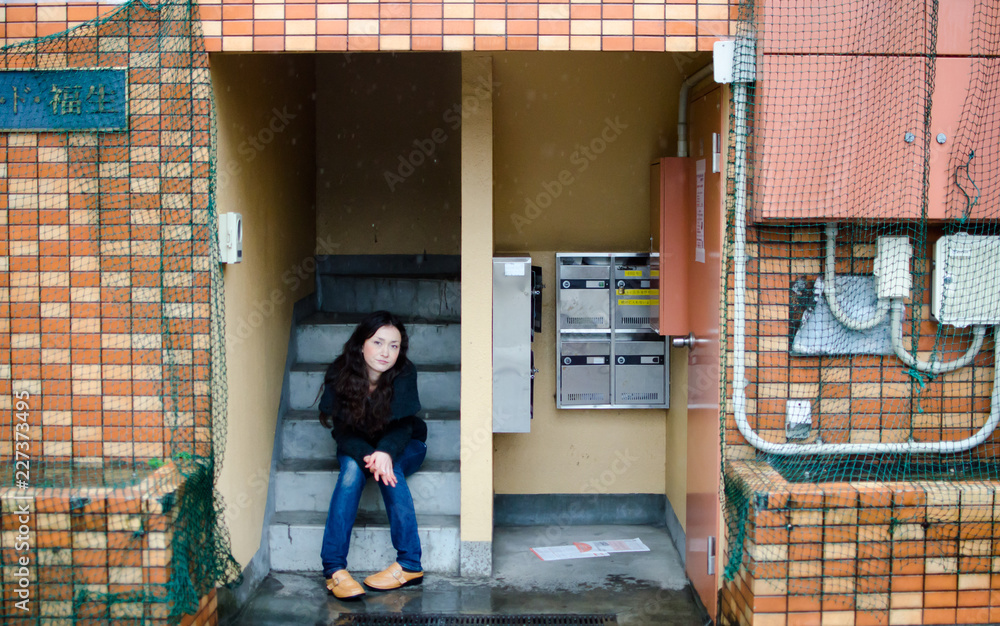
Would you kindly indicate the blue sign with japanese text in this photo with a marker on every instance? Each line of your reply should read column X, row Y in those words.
column 59, row 100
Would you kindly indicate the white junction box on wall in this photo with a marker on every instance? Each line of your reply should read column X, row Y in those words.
column 230, row 238
column 893, row 278
column 965, row 286
column 798, row 419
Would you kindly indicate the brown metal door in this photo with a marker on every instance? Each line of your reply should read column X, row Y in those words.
column 705, row 115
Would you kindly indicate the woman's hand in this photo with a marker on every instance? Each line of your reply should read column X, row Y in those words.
column 380, row 465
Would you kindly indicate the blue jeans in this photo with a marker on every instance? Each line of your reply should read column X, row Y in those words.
column 398, row 505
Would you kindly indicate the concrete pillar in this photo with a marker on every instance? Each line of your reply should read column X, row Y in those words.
column 477, row 315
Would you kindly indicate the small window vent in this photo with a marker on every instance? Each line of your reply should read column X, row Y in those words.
column 586, row 397
column 587, row 321
column 636, row 321
column 640, row 395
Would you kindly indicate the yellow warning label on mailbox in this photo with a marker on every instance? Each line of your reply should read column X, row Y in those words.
column 638, row 292
column 633, row 273
column 631, row 302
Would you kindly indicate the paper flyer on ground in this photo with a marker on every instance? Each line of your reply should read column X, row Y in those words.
column 612, row 546
column 589, row 549
column 559, row 553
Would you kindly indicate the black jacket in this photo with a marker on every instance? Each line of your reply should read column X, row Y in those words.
column 403, row 423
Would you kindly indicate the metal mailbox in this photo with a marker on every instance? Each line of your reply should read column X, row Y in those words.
column 585, row 296
column 608, row 354
column 585, row 372
column 639, row 372
column 636, row 297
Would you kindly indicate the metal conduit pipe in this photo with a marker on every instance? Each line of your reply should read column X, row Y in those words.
column 909, row 447
column 830, row 288
column 682, row 107
column 740, row 108
column 930, row 367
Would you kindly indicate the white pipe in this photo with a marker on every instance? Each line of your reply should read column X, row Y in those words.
column 830, row 289
column 740, row 105
column 909, row 447
column 682, row 106
column 931, row 367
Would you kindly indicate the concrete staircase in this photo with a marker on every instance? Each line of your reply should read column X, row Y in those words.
column 307, row 470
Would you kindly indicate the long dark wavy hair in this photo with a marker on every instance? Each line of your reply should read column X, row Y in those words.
column 348, row 374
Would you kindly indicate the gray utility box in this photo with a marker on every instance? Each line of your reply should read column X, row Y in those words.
column 512, row 372
column 608, row 355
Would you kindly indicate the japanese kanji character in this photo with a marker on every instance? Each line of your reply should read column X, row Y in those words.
column 66, row 100
column 102, row 98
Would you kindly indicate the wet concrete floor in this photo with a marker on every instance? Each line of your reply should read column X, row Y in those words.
column 641, row 588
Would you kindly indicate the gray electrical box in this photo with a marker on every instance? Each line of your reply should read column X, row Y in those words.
column 608, row 354
column 512, row 328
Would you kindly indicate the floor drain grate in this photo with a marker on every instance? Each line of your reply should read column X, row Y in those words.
column 430, row 619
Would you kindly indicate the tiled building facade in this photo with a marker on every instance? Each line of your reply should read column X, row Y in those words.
column 119, row 346
column 370, row 26
column 106, row 316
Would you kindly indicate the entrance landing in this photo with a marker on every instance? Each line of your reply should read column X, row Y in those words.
column 641, row 589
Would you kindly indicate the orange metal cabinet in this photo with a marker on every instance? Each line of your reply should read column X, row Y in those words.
column 844, row 27
column 810, row 27
column 831, row 139
column 961, row 182
column 955, row 21
column 856, row 150
column 852, row 145
column 671, row 184
column 951, row 88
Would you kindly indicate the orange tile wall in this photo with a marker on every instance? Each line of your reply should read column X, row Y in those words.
column 855, row 398
column 105, row 253
column 317, row 25
column 98, row 555
column 864, row 554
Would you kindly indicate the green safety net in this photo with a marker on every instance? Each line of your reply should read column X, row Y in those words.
column 863, row 293
column 111, row 324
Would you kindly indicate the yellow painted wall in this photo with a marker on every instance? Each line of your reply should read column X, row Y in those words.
column 266, row 173
column 388, row 153
column 577, row 450
column 676, row 442
column 574, row 136
column 477, row 302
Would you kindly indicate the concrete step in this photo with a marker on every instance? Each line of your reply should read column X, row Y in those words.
column 321, row 339
column 413, row 265
column 431, row 299
column 307, row 485
column 303, row 437
column 296, row 536
column 438, row 386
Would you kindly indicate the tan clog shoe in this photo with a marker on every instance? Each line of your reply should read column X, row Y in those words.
column 393, row 577
column 343, row 586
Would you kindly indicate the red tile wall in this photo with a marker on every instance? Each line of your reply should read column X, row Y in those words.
column 854, row 398
column 105, row 242
column 863, row 554
column 318, row 25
